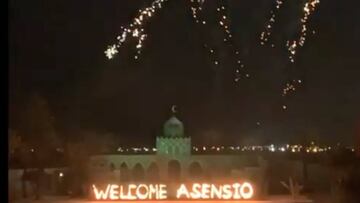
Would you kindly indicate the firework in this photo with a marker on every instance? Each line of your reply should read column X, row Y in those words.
column 265, row 35
column 291, row 87
column 196, row 8
column 309, row 8
column 224, row 23
column 135, row 30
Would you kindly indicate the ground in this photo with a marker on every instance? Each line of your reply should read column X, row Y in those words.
column 273, row 199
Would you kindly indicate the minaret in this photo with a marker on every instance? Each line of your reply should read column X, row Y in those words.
column 173, row 141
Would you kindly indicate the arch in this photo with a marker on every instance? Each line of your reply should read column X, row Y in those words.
column 152, row 172
column 112, row 167
column 174, row 170
column 138, row 172
column 196, row 171
column 124, row 173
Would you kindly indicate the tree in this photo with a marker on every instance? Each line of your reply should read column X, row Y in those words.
column 15, row 147
column 14, row 142
column 78, row 152
column 35, row 124
column 19, row 150
column 293, row 187
column 346, row 173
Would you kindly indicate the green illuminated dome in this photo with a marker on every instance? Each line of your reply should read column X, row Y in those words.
column 173, row 128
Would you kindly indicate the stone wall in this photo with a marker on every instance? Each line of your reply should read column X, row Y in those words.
column 267, row 175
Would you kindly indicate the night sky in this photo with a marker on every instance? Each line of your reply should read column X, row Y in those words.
column 56, row 49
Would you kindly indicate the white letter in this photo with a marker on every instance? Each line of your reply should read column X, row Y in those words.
column 205, row 191
column 227, row 194
column 249, row 193
column 130, row 194
column 162, row 193
column 215, row 191
column 101, row 194
column 122, row 196
column 153, row 189
column 182, row 191
column 196, row 194
column 138, row 193
column 236, row 187
column 114, row 193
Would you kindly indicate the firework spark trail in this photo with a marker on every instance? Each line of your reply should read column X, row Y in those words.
column 309, row 8
column 291, row 87
column 224, row 22
column 196, row 9
column 135, row 30
column 265, row 35
column 292, row 46
column 212, row 54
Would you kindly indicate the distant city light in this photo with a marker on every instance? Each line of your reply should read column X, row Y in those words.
column 247, row 148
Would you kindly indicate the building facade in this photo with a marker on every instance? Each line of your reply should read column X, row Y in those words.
column 174, row 162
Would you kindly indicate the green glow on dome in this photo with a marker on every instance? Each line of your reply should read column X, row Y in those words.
column 173, row 128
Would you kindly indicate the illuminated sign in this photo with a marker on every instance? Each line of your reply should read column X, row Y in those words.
column 131, row 192
column 160, row 191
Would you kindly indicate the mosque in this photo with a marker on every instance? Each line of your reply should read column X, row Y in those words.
column 174, row 162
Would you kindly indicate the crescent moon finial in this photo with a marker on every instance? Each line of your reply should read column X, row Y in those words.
column 173, row 108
